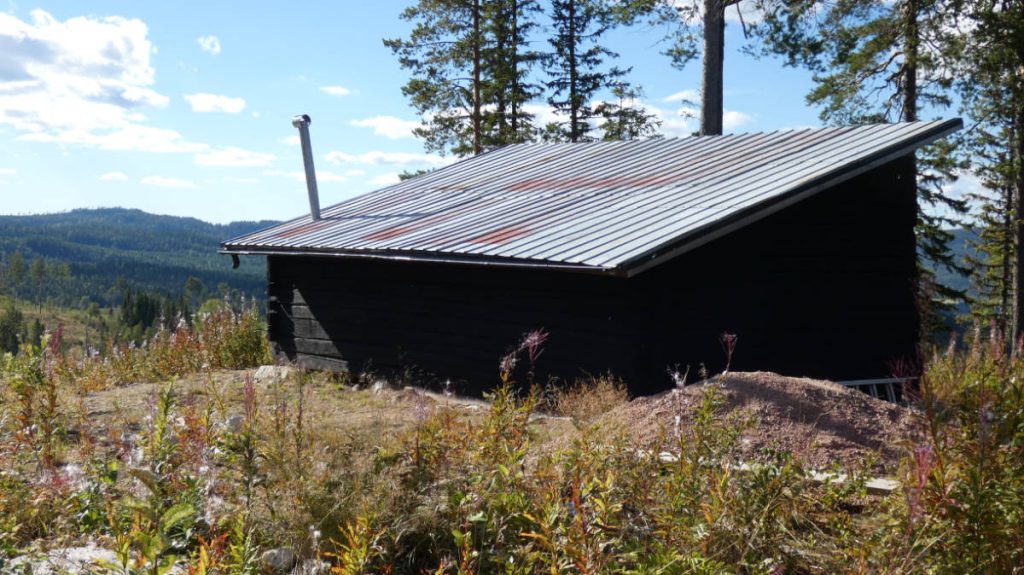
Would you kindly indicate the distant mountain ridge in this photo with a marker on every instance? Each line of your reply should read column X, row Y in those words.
column 151, row 252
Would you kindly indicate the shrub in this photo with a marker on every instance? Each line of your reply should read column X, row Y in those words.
column 961, row 510
column 587, row 399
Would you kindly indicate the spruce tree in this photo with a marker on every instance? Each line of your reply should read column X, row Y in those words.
column 991, row 85
column 574, row 66
column 623, row 119
column 507, row 62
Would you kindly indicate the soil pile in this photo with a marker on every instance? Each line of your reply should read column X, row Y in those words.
column 820, row 422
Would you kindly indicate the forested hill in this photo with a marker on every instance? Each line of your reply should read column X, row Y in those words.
column 107, row 247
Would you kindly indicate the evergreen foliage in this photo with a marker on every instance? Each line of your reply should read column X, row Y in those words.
column 468, row 63
column 574, row 69
column 473, row 74
column 991, row 83
column 73, row 258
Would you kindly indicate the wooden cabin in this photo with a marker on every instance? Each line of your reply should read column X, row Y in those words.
column 635, row 257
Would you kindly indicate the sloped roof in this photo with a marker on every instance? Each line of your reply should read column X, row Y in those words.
column 607, row 207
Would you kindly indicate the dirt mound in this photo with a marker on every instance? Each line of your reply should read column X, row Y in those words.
column 820, row 422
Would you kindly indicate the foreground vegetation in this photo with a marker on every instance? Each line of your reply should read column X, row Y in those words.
column 209, row 473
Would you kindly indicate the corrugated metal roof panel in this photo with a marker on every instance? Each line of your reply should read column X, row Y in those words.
column 599, row 206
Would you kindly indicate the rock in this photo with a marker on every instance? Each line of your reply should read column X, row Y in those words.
column 312, row 567
column 379, row 386
column 280, row 560
column 234, row 423
column 69, row 560
column 273, row 373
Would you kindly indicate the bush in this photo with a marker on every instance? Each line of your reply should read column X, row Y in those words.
column 587, row 399
column 225, row 339
column 963, row 503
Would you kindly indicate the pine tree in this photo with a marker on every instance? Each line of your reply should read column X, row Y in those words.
column 884, row 61
column 444, row 55
column 468, row 70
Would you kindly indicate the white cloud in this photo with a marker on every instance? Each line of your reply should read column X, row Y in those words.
column 290, row 141
column 355, row 173
column 376, row 158
column 732, row 119
column 234, row 158
column 82, row 81
column 321, row 175
column 338, row 91
column 8, row 171
column 689, row 95
column 675, row 123
column 385, row 180
column 114, row 177
column 388, row 126
column 163, row 182
column 209, row 44
column 128, row 137
column 204, row 102
column 256, row 114
column 544, row 115
column 692, row 11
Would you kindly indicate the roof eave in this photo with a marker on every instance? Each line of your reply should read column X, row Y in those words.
column 423, row 258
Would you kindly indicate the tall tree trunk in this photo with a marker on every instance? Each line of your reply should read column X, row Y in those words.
column 713, row 64
column 515, row 72
column 1017, row 135
column 1005, row 305
column 574, row 105
column 477, row 107
column 911, row 48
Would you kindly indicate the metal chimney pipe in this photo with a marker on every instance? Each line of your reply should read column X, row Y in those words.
column 302, row 123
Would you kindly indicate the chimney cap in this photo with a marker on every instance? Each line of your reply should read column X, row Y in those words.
column 300, row 120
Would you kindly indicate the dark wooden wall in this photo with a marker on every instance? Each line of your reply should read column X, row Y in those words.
column 823, row 288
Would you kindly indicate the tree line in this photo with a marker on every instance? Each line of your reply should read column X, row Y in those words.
column 480, row 70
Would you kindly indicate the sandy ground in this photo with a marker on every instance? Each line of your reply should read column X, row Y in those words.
column 820, row 422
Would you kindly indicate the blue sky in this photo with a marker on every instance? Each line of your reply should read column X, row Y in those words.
column 185, row 107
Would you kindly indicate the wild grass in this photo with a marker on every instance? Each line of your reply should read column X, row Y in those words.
column 216, row 475
column 227, row 338
column 587, row 399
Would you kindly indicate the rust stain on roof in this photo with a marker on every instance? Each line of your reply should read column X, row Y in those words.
column 408, row 228
column 306, row 228
column 502, row 235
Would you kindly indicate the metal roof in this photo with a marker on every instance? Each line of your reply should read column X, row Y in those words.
column 611, row 207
